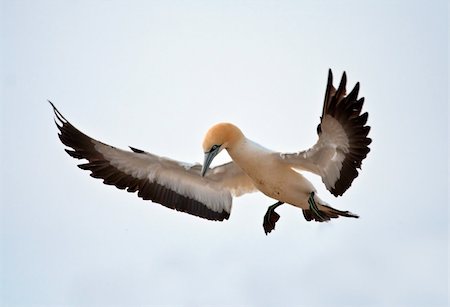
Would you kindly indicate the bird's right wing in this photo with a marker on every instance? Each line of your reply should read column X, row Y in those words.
column 342, row 143
column 173, row 184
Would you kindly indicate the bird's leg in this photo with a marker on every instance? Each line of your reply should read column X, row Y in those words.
column 271, row 218
column 313, row 207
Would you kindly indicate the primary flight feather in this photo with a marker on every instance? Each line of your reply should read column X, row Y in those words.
column 207, row 192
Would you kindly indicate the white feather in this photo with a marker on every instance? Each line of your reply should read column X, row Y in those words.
column 326, row 156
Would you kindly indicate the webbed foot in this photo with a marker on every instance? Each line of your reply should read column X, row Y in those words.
column 271, row 217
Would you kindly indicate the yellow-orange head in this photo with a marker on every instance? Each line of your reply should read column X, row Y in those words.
column 224, row 135
column 218, row 137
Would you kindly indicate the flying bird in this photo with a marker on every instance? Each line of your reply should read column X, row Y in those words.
column 207, row 192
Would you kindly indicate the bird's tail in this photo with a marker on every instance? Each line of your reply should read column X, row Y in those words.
column 326, row 213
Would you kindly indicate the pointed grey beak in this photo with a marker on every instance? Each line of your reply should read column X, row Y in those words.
column 209, row 156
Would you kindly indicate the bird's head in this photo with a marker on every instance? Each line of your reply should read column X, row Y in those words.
column 218, row 137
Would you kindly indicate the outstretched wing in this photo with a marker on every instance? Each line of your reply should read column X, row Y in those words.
column 343, row 141
column 173, row 184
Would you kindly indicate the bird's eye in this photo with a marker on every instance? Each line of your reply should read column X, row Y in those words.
column 215, row 147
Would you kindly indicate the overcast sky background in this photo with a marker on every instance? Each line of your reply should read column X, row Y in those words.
column 156, row 75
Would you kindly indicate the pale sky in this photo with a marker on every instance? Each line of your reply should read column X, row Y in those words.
column 156, row 75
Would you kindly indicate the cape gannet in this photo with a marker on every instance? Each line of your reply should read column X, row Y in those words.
column 207, row 192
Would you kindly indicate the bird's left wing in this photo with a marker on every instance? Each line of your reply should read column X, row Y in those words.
column 173, row 184
column 343, row 141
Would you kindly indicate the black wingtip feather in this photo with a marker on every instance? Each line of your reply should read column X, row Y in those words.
column 330, row 76
column 354, row 93
column 58, row 115
column 341, row 89
column 136, row 150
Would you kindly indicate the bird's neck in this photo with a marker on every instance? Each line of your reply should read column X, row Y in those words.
column 245, row 150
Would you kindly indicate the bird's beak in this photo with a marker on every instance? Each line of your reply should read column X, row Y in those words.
column 209, row 156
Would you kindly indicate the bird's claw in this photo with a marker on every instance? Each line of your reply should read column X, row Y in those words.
column 271, row 218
